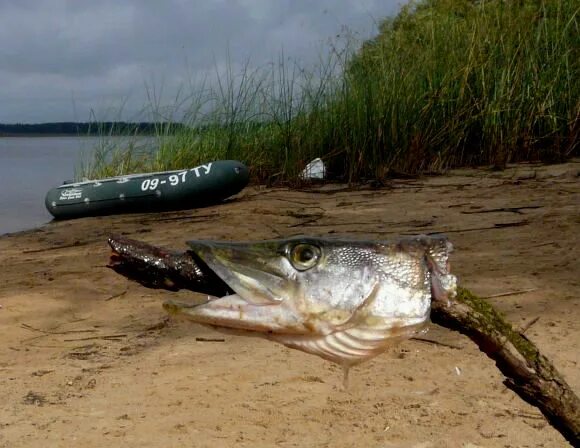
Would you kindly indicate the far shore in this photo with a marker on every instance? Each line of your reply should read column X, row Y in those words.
column 44, row 135
column 30, row 135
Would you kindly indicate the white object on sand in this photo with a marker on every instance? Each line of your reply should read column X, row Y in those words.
column 314, row 170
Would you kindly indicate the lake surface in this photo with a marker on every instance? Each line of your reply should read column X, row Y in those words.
column 29, row 167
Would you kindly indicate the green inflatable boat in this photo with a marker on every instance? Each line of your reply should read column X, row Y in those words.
column 169, row 190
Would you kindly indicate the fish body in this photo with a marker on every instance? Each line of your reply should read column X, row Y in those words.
column 343, row 300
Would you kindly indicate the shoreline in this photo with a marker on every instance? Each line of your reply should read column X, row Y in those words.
column 326, row 186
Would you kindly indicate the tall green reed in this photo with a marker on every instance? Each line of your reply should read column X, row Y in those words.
column 445, row 83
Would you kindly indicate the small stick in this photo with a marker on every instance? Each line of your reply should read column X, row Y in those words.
column 549, row 243
column 106, row 337
column 328, row 192
column 116, row 295
column 510, row 293
column 308, row 204
column 434, row 342
column 529, row 324
column 475, row 229
column 159, row 325
column 193, row 219
column 459, row 205
column 345, row 372
column 200, row 339
column 524, row 414
column 64, row 246
column 503, row 209
column 29, row 327
column 415, row 185
column 308, row 221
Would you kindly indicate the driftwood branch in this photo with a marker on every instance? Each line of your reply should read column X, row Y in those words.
column 517, row 210
column 528, row 373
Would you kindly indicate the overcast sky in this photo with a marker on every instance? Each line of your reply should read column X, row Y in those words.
column 61, row 59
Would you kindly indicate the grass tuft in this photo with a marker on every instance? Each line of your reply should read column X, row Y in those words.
column 446, row 83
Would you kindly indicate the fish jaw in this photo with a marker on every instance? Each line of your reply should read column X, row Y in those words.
column 355, row 301
column 234, row 313
column 255, row 271
column 266, row 298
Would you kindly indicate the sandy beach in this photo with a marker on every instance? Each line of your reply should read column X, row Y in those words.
column 90, row 359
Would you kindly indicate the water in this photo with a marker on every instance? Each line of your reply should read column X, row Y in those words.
column 29, row 167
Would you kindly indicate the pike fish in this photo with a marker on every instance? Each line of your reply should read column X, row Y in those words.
column 343, row 300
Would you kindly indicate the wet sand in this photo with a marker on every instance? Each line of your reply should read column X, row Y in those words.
column 90, row 359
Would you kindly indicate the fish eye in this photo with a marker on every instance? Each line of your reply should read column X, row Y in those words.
column 304, row 256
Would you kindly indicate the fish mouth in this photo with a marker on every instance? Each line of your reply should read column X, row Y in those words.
column 242, row 282
column 258, row 283
column 254, row 271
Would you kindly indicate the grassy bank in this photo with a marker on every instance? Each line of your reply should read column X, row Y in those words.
column 445, row 83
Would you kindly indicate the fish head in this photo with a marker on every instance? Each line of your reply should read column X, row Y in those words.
column 343, row 300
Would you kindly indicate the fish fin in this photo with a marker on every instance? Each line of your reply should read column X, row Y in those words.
column 360, row 313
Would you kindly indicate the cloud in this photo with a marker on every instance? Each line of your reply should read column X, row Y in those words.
column 60, row 59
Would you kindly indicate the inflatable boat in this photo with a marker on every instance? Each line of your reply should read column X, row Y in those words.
column 169, row 190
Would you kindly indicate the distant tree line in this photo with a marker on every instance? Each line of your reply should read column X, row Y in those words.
column 89, row 128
